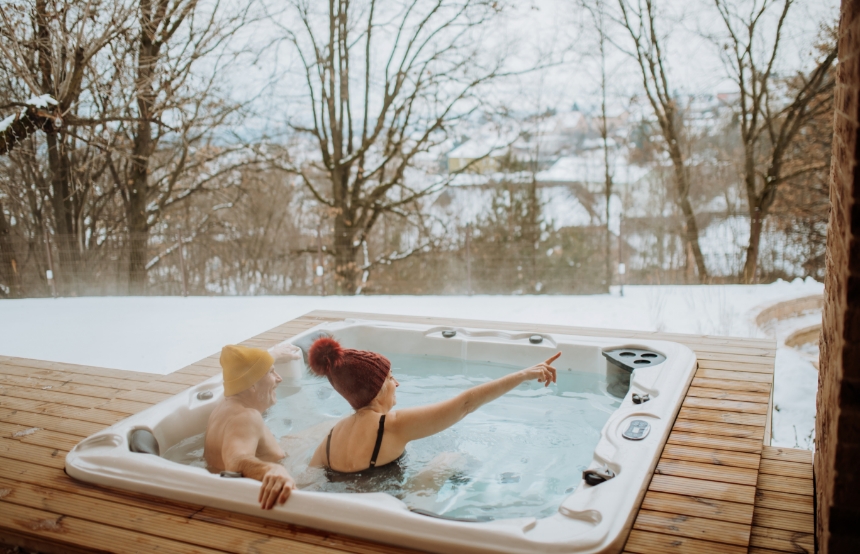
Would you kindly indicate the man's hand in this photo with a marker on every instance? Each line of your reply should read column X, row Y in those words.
column 277, row 486
column 285, row 351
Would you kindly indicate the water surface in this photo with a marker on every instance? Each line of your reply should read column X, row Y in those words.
column 517, row 456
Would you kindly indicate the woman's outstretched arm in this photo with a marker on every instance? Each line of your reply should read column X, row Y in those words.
column 422, row 421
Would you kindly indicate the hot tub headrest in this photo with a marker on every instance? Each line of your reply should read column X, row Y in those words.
column 143, row 442
column 305, row 342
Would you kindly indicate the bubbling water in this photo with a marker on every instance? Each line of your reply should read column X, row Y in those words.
column 517, row 456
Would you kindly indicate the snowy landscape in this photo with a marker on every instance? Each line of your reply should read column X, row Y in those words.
column 163, row 334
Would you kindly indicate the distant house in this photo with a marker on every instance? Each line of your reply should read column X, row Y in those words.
column 476, row 156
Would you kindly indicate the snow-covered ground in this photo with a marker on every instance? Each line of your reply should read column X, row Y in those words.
column 162, row 334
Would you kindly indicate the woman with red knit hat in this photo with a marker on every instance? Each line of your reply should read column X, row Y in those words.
column 374, row 435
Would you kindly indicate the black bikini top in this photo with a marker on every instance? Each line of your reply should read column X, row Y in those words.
column 378, row 444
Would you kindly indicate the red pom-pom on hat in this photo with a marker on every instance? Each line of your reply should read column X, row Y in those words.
column 324, row 354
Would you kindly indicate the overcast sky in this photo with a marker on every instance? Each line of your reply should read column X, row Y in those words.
column 556, row 32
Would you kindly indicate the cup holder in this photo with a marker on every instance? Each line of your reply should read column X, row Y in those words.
column 632, row 358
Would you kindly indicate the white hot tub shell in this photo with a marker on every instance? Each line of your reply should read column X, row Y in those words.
column 591, row 519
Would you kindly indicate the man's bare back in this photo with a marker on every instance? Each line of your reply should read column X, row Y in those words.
column 237, row 439
column 230, row 419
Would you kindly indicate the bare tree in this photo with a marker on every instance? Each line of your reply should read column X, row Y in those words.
column 771, row 110
column 640, row 18
column 385, row 81
column 172, row 112
column 48, row 48
column 597, row 10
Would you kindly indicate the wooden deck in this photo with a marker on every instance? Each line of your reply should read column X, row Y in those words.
column 717, row 487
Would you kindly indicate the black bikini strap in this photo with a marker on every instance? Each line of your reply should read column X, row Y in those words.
column 378, row 441
column 328, row 449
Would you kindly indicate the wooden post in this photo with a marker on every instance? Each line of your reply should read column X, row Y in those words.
column 837, row 433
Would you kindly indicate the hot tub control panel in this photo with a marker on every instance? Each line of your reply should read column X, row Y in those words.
column 637, row 430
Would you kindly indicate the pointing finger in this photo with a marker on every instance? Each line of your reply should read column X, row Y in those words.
column 552, row 359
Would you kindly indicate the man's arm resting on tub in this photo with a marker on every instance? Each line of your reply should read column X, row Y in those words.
column 242, row 437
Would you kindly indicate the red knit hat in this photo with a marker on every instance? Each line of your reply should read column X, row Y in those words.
column 358, row 375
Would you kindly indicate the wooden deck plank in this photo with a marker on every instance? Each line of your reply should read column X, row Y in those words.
column 703, row 489
column 721, row 394
column 717, row 416
column 125, row 406
column 720, row 363
column 31, row 453
column 94, row 415
column 713, row 441
column 646, row 542
column 781, row 540
column 787, row 454
column 699, row 507
column 57, row 479
column 693, row 527
column 722, row 429
column 38, row 436
column 65, row 377
column 780, row 483
column 59, row 529
column 75, row 368
column 725, row 384
column 788, row 469
column 783, row 519
column 58, row 386
column 725, row 405
column 710, row 456
column 707, row 471
column 755, row 359
column 146, row 396
column 74, row 427
column 179, row 528
column 52, row 397
column 734, row 375
column 179, row 379
column 162, row 386
column 788, row 502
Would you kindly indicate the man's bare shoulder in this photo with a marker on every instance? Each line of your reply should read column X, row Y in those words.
column 234, row 417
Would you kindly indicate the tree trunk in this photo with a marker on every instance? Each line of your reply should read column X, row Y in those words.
column 760, row 204
column 751, row 262
column 138, row 224
column 8, row 260
column 346, row 271
column 62, row 196
column 691, row 227
column 138, row 238
column 62, row 203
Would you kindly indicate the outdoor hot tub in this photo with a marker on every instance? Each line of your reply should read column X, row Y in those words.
column 555, row 469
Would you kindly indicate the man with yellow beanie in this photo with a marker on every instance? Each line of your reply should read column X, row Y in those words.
column 237, row 439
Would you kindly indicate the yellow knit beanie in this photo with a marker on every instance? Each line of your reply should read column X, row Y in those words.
column 243, row 366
